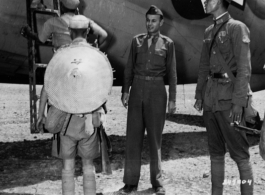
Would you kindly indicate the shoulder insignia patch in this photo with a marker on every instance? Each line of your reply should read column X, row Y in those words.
column 246, row 39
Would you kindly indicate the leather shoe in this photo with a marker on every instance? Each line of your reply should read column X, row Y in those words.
column 128, row 188
column 160, row 190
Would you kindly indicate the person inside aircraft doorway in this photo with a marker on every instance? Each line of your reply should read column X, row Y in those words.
column 224, row 71
column 152, row 57
column 58, row 27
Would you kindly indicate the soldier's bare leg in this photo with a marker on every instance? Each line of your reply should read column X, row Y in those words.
column 89, row 178
column 68, row 172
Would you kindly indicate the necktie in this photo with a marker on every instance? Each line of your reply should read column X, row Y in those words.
column 150, row 41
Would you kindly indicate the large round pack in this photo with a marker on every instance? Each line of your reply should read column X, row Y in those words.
column 78, row 79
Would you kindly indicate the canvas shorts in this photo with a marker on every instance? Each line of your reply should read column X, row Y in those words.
column 76, row 143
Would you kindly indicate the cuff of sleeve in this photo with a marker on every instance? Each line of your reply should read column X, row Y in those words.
column 172, row 97
column 240, row 101
column 125, row 89
column 198, row 96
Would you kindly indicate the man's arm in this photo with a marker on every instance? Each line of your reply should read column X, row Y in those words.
column 41, row 116
column 241, row 42
column 128, row 75
column 98, row 31
column 172, row 77
column 44, row 34
column 28, row 34
column 47, row 30
column 204, row 69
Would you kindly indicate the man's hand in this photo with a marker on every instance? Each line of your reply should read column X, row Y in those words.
column 198, row 105
column 171, row 107
column 236, row 113
column 41, row 117
column 40, row 122
column 125, row 99
column 25, row 30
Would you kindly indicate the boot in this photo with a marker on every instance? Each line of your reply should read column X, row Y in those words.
column 217, row 173
column 246, row 177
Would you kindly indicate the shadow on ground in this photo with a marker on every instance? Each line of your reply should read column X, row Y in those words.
column 186, row 119
column 5, row 193
column 29, row 162
column 196, row 120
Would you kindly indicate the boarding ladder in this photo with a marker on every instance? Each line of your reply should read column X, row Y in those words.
column 34, row 56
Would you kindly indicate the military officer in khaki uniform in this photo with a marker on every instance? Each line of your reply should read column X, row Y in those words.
column 151, row 58
column 223, row 100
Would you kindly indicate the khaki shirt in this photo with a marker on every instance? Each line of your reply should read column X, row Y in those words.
column 158, row 60
column 233, row 42
column 58, row 28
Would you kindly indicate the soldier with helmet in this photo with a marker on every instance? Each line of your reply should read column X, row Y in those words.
column 224, row 71
column 151, row 61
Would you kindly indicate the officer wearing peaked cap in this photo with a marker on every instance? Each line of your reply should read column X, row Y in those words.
column 153, row 10
column 224, row 72
column 151, row 61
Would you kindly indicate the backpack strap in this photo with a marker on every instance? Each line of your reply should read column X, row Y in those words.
column 225, row 66
column 215, row 35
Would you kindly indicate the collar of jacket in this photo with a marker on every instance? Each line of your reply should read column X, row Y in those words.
column 223, row 18
column 154, row 36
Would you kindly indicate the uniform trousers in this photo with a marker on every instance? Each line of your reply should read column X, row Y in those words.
column 220, row 134
column 146, row 110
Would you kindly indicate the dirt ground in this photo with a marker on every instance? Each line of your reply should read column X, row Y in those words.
column 26, row 166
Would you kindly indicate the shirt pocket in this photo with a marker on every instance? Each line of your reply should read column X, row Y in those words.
column 140, row 55
column 225, row 90
column 223, row 43
column 160, row 56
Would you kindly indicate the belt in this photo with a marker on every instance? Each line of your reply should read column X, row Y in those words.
column 220, row 75
column 148, row 78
